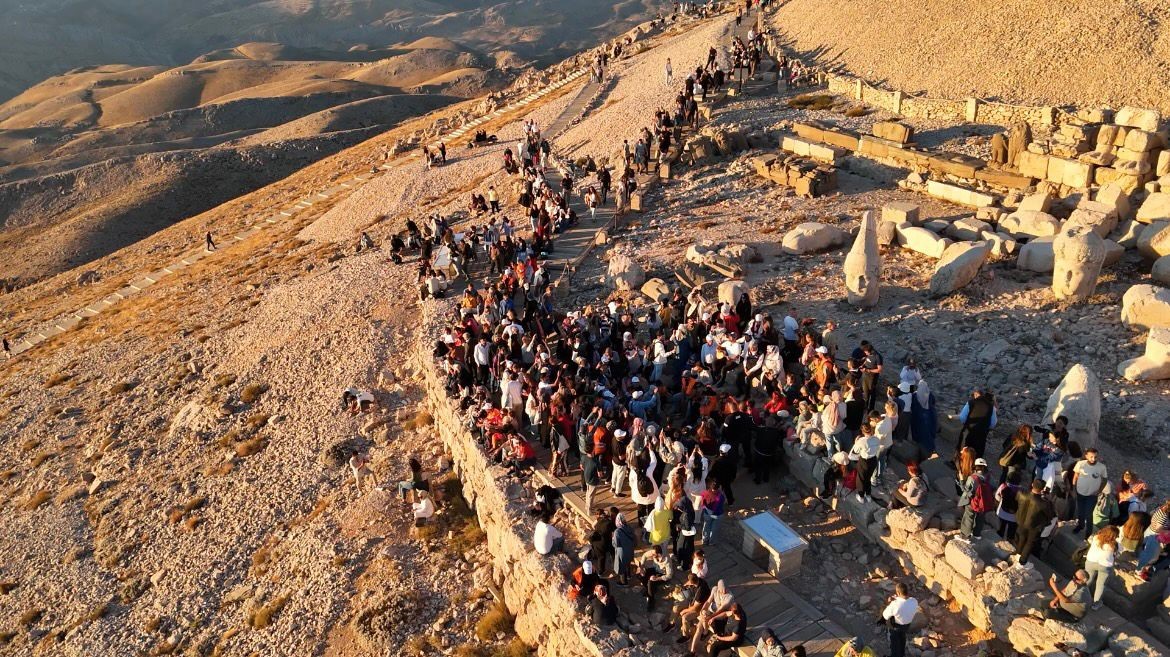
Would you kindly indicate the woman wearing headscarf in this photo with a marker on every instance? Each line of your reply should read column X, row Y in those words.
column 624, row 540
column 924, row 418
column 658, row 524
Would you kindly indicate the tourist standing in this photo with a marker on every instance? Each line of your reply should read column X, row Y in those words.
column 1088, row 478
column 898, row 616
column 975, row 500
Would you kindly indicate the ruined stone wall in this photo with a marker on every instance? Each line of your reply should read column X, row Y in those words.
column 533, row 586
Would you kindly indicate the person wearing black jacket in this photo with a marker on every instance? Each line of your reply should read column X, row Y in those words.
column 601, row 540
column 723, row 471
column 766, row 443
column 1033, row 513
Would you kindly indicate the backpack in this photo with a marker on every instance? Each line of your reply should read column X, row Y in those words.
column 980, row 497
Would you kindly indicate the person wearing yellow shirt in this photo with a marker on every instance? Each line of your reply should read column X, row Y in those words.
column 855, row 647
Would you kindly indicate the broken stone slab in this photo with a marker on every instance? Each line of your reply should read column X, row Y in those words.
column 1156, row 207
column 1146, row 306
column 1037, row 255
column 1032, row 165
column 908, row 519
column 1135, row 117
column 812, row 236
column 937, row 226
column 1100, row 221
column 624, row 273
column 1160, row 272
column 1079, row 254
column 1078, row 397
column 656, row 289
column 923, row 241
column 863, row 265
column 961, row 555
column 1038, row 202
column 1005, row 585
column 1114, row 252
column 1116, row 197
column 900, row 212
column 893, row 131
column 1002, row 245
column 959, row 195
column 1127, row 233
column 958, row 266
column 967, row 229
column 887, row 232
column 1154, row 364
column 1154, row 240
column 1026, row 223
column 730, row 292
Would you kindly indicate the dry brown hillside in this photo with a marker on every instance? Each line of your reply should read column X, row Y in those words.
column 1087, row 52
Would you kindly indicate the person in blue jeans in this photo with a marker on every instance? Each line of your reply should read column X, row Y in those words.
column 712, row 504
column 1089, row 477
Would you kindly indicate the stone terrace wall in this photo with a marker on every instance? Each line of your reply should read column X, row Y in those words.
column 534, row 586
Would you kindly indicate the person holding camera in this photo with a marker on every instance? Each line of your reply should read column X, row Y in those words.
column 898, row 615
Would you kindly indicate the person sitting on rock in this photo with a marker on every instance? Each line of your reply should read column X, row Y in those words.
column 547, row 538
column 855, row 647
column 423, row 508
column 912, row 490
column 1069, row 604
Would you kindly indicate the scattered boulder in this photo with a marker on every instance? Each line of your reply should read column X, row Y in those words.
column 1135, row 117
column 1161, row 270
column 1024, row 223
column 923, row 241
column 812, row 236
column 901, row 212
column 1078, row 397
column 1038, row 202
column 656, row 289
column 1098, row 220
column 1114, row 196
column 1146, row 306
column 961, row 556
column 624, row 273
column 863, row 265
column 958, row 266
column 1154, row 241
column 1001, row 245
column 1037, row 255
column 731, row 291
column 967, row 229
column 1079, row 254
column 1156, row 207
column 1154, row 364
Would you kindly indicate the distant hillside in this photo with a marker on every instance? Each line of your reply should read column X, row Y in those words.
column 1089, row 52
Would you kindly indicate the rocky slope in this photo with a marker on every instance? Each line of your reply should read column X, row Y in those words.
column 1083, row 52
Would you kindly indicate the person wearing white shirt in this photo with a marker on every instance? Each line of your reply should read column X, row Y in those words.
column 1099, row 561
column 898, row 615
column 910, row 373
column 423, row 508
column 546, row 538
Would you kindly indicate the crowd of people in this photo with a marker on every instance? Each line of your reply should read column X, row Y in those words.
column 670, row 403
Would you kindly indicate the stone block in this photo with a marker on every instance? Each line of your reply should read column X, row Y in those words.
column 967, row 229
column 1134, row 168
column 1094, row 219
column 874, row 147
column 1078, row 396
column 1146, row 306
column 1024, row 223
column 1032, row 165
column 1162, row 165
column 1131, row 642
column 1102, row 157
column 1160, row 272
column 961, row 555
column 1106, row 135
column 1001, row 245
column 1126, row 181
column 795, row 145
column 1127, row 233
column 1038, row 202
column 1154, row 240
column 907, row 519
column 1005, row 585
column 923, row 241
column 1115, row 197
column 656, row 289
column 1156, row 207
column 1128, row 155
column 730, row 292
column 893, row 131
column 810, row 237
column 1072, row 173
column 900, row 212
column 1037, row 255
column 624, row 273
column 955, row 164
column 990, row 215
column 1004, row 178
column 1114, row 252
column 1142, row 119
column 860, row 513
column 808, row 131
column 933, row 541
column 937, row 226
column 958, row 266
column 959, row 195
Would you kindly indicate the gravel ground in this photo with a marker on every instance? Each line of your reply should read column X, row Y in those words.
column 1079, row 52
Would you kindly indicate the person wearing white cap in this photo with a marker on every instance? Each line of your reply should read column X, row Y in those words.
column 621, row 470
column 977, row 499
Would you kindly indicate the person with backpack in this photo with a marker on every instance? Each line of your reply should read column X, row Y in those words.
column 1007, row 495
column 975, row 501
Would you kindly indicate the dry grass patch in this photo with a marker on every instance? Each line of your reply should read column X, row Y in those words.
column 258, row 420
column 57, row 379
column 219, row 469
column 29, row 445
column 262, row 617
column 495, row 622
column 37, row 499
column 70, row 494
column 419, row 420
column 250, row 446
column 252, row 392
column 855, row 111
column 123, row 387
column 811, row 102
column 7, row 586
column 31, row 616
column 513, row 648
column 41, row 457
column 221, row 645
column 224, row 380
